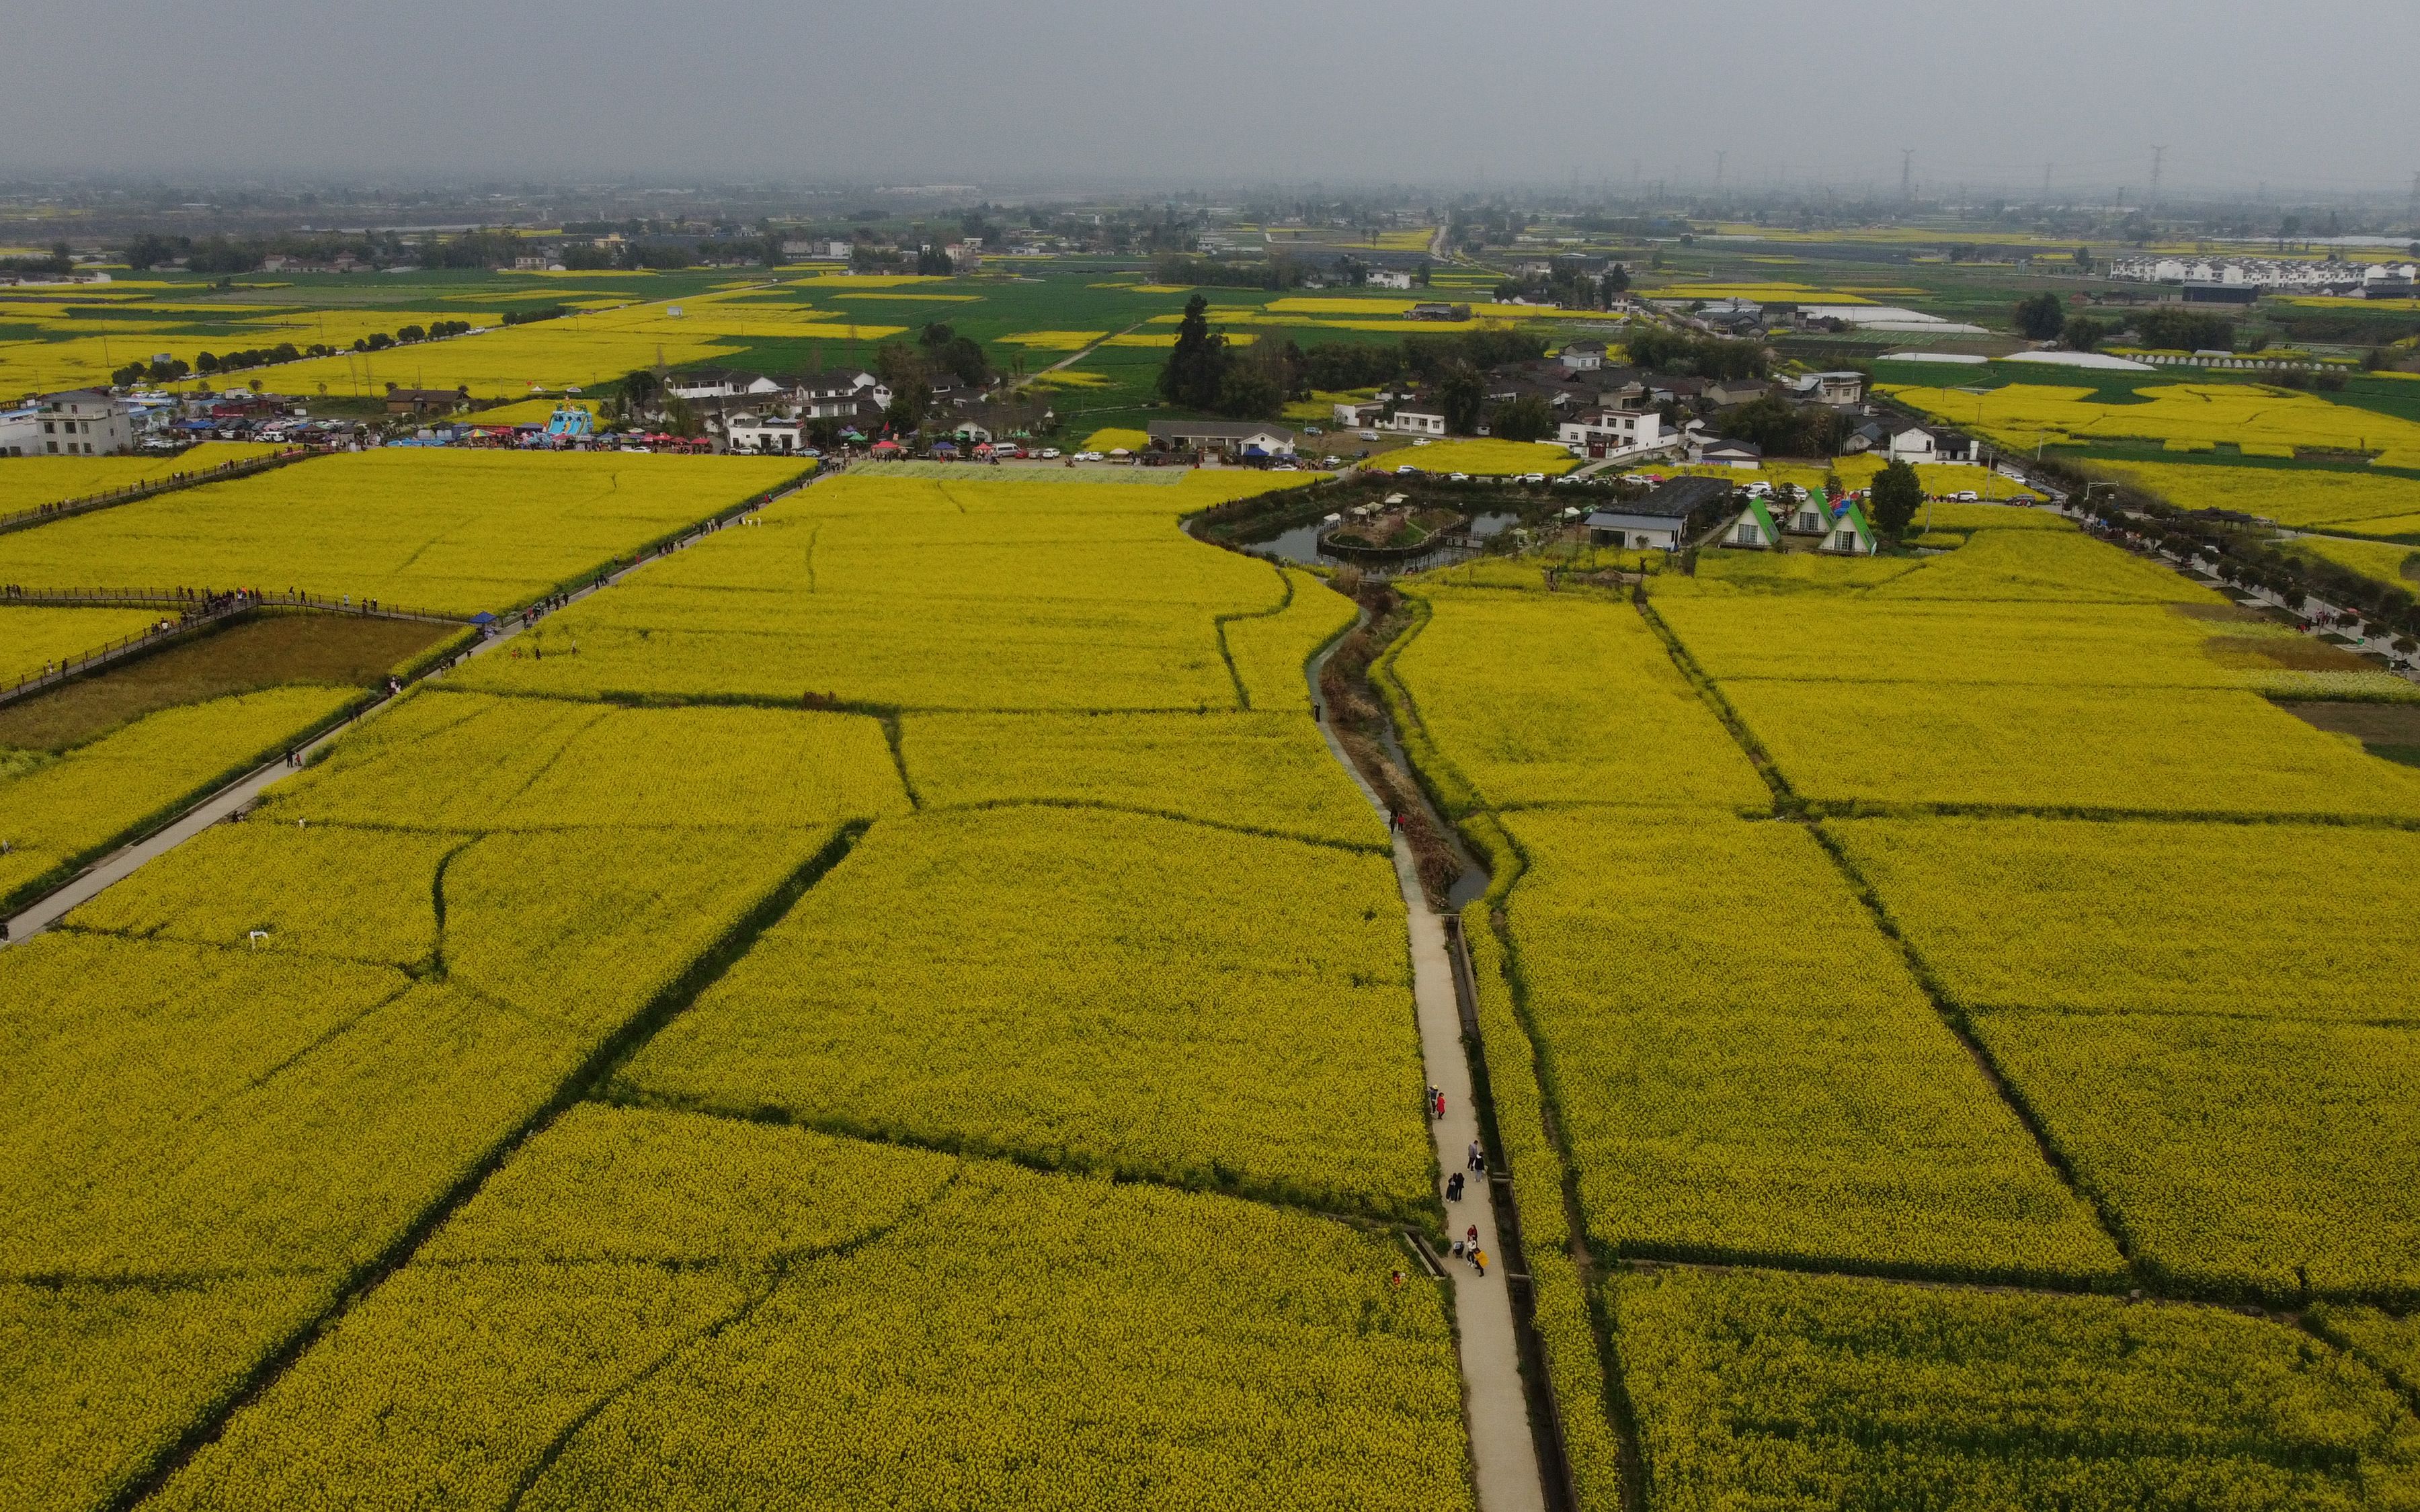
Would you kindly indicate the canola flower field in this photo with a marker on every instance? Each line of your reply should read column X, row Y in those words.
column 1962, row 919
column 915, row 956
column 30, row 481
column 499, row 1003
column 2180, row 416
column 450, row 532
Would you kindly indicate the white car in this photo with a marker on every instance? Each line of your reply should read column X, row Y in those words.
column 1531, row 477
column 1089, row 457
column 1331, row 461
column 1969, row 496
column 1457, row 477
column 1419, row 440
column 1368, row 435
column 1406, row 468
column 1050, row 454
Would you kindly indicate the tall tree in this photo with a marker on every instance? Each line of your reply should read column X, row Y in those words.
column 1197, row 364
column 1461, row 393
column 1525, row 419
column 1892, row 505
column 2040, row 316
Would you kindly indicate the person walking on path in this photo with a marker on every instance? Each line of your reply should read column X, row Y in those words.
column 1479, row 1260
column 1476, row 1157
column 1454, row 1187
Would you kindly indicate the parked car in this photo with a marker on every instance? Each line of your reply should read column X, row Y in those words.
column 1966, row 497
column 1368, row 435
column 1406, row 468
column 1530, row 477
column 1331, row 461
column 1419, row 440
column 1050, row 454
column 1457, row 477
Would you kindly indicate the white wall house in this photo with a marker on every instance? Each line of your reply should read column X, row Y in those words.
column 20, row 431
column 1390, row 278
column 83, row 422
column 1754, row 529
column 1416, row 422
column 1850, row 534
column 1606, row 433
column 764, row 434
column 1810, row 515
column 1916, row 443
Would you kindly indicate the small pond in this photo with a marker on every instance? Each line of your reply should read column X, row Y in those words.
column 1301, row 544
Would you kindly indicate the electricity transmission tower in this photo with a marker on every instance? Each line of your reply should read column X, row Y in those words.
column 2158, row 155
column 1907, row 173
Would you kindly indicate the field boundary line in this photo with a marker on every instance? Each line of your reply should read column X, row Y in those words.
column 1218, row 623
column 616, row 1091
column 777, row 1273
column 603, row 1059
column 1946, row 1007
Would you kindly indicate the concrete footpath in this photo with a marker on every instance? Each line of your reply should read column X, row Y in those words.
column 1503, row 1453
column 1502, row 1450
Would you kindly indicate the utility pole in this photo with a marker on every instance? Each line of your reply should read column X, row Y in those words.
column 2158, row 155
column 1907, row 175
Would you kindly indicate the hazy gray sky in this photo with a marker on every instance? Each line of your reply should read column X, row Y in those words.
column 1250, row 91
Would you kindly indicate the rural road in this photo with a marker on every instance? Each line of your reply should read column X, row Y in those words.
column 50, row 907
column 1503, row 1452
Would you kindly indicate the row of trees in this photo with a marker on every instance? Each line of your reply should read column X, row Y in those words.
column 169, row 370
column 1204, row 372
column 2247, row 557
column 1569, row 285
column 2167, row 326
column 1661, row 349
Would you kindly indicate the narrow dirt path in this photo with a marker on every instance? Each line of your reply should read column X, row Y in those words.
column 1503, row 1451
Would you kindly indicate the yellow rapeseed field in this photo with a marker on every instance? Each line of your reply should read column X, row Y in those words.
column 2015, row 415
column 642, row 1300
column 30, row 482
column 34, row 639
column 1483, row 457
column 456, row 531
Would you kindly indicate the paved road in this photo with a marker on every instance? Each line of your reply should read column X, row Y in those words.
column 48, row 910
column 1502, row 1451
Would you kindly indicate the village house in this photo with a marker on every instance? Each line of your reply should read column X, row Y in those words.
column 1922, row 443
column 1839, row 390
column 1850, row 534
column 1754, row 529
column 1721, row 453
column 1614, row 432
column 762, row 435
column 1242, row 439
column 423, row 401
column 1724, row 393
column 1661, row 520
column 1415, row 420
column 1810, row 515
column 1582, row 356
column 85, row 423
